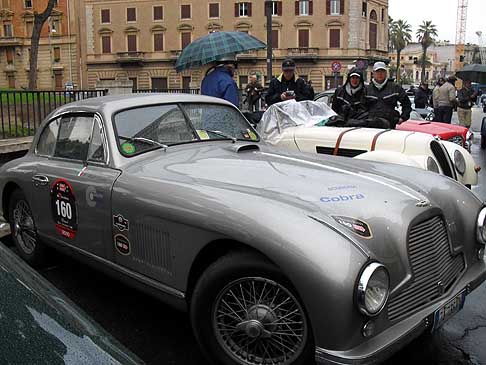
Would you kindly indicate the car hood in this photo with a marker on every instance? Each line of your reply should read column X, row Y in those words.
column 383, row 197
column 443, row 130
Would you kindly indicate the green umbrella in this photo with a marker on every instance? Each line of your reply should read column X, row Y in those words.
column 215, row 45
column 474, row 73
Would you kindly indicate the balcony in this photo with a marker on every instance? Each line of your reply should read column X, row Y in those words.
column 303, row 53
column 130, row 58
column 10, row 41
column 174, row 54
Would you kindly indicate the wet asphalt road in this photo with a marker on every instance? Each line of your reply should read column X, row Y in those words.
column 161, row 335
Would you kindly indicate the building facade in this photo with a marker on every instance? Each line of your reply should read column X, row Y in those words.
column 140, row 40
column 57, row 57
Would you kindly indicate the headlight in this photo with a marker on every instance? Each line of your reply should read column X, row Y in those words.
column 481, row 226
column 457, row 140
column 373, row 289
column 432, row 165
column 459, row 162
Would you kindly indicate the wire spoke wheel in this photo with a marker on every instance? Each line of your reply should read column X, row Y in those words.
column 258, row 321
column 24, row 227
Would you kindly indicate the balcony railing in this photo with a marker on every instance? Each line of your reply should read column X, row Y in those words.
column 303, row 52
column 175, row 53
column 10, row 41
column 130, row 57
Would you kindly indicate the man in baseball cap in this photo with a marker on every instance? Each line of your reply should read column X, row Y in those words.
column 288, row 86
column 383, row 96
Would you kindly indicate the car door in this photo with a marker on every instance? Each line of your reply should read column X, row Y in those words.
column 73, row 185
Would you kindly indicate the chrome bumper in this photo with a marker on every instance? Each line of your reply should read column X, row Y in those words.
column 390, row 341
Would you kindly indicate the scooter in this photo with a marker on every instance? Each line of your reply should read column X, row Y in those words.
column 483, row 127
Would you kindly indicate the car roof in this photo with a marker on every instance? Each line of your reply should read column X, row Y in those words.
column 113, row 103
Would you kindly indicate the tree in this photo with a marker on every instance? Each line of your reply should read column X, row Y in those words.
column 39, row 20
column 400, row 36
column 426, row 36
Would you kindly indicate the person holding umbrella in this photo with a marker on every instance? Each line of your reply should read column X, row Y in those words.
column 466, row 98
column 219, row 81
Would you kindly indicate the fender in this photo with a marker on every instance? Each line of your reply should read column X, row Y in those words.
column 392, row 157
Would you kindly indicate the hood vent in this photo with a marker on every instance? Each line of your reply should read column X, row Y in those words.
column 245, row 147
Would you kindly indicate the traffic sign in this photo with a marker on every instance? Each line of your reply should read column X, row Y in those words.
column 336, row 66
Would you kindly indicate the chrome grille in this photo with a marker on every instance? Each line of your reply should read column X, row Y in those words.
column 434, row 269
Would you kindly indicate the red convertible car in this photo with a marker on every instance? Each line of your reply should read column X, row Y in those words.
column 447, row 132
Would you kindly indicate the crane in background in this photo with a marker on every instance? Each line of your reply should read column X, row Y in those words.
column 461, row 32
column 482, row 47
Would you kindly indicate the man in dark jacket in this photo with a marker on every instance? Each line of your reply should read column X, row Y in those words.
column 466, row 97
column 422, row 96
column 382, row 96
column 288, row 86
column 348, row 100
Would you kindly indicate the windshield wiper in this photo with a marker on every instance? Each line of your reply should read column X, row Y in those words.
column 222, row 135
column 145, row 140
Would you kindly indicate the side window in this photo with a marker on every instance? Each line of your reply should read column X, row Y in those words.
column 47, row 140
column 74, row 137
column 96, row 150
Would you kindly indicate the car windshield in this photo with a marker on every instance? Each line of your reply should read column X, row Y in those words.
column 414, row 115
column 160, row 126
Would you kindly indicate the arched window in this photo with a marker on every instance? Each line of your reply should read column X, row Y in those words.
column 373, row 30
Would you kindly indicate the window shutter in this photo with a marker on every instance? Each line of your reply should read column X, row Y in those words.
column 342, row 7
column 311, row 7
column 249, row 9
column 237, row 10
column 297, row 12
column 328, row 7
column 265, row 8
column 279, row 8
column 274, row 38
column 334, row 38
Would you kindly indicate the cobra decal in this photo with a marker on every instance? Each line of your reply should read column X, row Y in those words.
column 63, row 208
column 121, row 223
column 342, row 198
column 354, row 225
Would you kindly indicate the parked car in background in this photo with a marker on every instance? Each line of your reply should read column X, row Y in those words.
column 39, row 325
column 301, row 126
column 278, row 257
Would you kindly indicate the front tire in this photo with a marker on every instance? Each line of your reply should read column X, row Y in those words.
column 245, row 312
column 24, row 231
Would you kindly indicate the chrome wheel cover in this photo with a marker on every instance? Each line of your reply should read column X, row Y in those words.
column 258, row 321
column 24, row 227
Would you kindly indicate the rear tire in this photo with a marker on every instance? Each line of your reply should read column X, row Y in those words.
column 235, row 306
column 24, row 231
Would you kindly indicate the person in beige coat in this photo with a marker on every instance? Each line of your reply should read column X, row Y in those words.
column 444, row 100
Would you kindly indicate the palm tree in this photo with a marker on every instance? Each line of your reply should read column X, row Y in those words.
column 400, row 36
column 426, row 35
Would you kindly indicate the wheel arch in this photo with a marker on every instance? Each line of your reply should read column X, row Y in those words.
column 212, row 252
column 9, row 188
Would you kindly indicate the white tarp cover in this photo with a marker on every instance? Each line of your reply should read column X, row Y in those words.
column 291, row 113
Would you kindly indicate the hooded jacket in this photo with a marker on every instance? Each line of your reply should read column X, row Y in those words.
column 347, row 102
column 220, row 83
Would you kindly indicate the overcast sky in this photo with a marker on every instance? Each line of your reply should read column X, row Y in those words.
column 443, row 14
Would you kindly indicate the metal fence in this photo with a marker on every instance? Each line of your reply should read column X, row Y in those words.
column 21, row 112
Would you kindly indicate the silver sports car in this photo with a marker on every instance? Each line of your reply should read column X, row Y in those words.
column 279, row 257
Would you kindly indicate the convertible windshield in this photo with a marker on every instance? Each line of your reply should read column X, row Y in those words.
column 151, row 127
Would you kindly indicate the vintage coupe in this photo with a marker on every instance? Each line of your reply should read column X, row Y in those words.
column 40, row 325
column 301, row 126
column 279, row 257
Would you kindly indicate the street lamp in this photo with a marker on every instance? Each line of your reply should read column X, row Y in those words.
column 268, row 8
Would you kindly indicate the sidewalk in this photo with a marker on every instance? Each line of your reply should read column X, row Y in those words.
column 10, row 145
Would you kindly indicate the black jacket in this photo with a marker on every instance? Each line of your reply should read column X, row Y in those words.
column 422, row 97
column 382, row 103
column 278, row 85
column 466, row 98
column 346, row 105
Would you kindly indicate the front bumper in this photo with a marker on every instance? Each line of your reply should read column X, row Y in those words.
column 383, row 345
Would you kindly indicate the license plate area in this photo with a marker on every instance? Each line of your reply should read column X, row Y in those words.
column 448, row 310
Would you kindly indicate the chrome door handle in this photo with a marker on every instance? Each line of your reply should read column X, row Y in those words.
column 40, row 180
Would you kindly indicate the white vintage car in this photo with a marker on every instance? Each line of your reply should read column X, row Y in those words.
column 301, row 126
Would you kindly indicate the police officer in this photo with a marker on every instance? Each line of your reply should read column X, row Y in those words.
column 348, row 100
column 382, row 96
column 288, row 86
